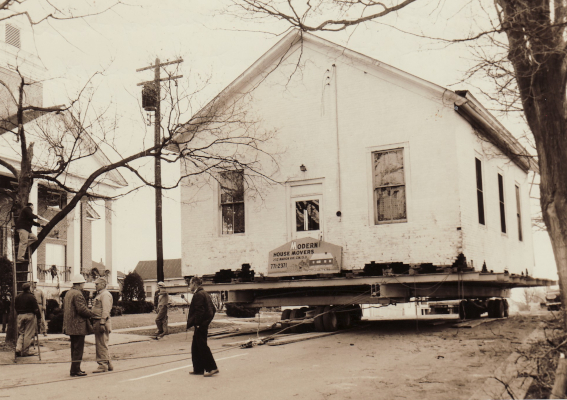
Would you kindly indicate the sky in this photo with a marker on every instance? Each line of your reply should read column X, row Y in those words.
column 217, row 47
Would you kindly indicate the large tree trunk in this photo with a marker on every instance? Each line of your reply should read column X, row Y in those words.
column 537, row 50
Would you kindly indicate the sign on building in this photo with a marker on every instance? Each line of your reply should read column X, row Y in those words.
column 305, row 256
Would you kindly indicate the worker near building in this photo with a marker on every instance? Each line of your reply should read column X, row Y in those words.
column 42, row 304
column 101, row 307
column 4, row 311
column 75, row 315
column 161, row 319
column 28, row 314
column 201, row 313
column 23, row 227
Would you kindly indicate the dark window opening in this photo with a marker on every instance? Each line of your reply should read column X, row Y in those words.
column 479, row 192
column 519, row 213
column 501, row 200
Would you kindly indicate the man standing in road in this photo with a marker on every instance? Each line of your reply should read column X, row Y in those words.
column 23, row 227
column 161, row 319
column 201, row 313
column 41, row 302
column 75, row 315
column 102, row 327
column 28, row 313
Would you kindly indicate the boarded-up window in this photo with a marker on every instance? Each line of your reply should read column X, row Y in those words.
column 307, row 215
column 389, row 186
column 519, row 213
column 501, row 200
column 479, row 191
column 232, row 201
column 13, row 35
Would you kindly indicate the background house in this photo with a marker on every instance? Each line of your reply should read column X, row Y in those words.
column 148, row 271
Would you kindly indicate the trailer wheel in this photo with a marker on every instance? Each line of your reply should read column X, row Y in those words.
column 295, row 315
column 491, row 308
column 330, row 320
column 285, row 315
column 462, row 311
column 344, row 319
column 356, row 314
column 499, row 308
column 318, row 321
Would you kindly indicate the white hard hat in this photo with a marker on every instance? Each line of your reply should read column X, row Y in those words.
column 161, row 284
column 35, row 280
column 78, row 279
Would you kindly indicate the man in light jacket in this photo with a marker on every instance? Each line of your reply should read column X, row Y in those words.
column 28, row 313
column 102, row 327
column 161, row 319
column 42, row 303
column 75, row 315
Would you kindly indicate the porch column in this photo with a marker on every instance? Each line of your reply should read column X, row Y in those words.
column 108, row 241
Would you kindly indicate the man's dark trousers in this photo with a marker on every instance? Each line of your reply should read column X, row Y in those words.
column 77, row 347
column 200, row 352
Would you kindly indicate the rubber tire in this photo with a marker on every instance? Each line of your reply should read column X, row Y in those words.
column 330, row 320
column 498, row 308
column 285, row 315
column 344, row 319
column 297, row 314
column 319, row 325
column 462, row 310
column 356, row 314
column 491, row 308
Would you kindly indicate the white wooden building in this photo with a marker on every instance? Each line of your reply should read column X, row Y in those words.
column 387, row 165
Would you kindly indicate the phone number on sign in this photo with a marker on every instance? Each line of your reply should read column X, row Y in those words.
column 278, row 265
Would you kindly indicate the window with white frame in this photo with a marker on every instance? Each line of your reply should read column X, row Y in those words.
column 232, row 201
column 389, row 186
column 307, row 215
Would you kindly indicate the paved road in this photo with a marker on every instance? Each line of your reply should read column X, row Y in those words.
column 384, row 360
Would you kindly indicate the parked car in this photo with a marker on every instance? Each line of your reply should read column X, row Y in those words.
column 553, row 298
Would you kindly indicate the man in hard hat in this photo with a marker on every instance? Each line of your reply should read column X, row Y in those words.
column 28, row 313
column 75, row 315
column 201, row 313
column 42, row 303
column 101, row 307
column 161, row 319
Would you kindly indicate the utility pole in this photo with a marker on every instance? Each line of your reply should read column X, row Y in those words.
column 155, row 95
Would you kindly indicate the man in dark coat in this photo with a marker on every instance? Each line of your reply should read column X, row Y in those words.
column 201, row 313
column 28, row 313
column 75, row 315
column 23, row 227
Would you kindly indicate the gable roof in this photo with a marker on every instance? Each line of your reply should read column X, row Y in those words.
column 469, row 107
column 148, row 269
